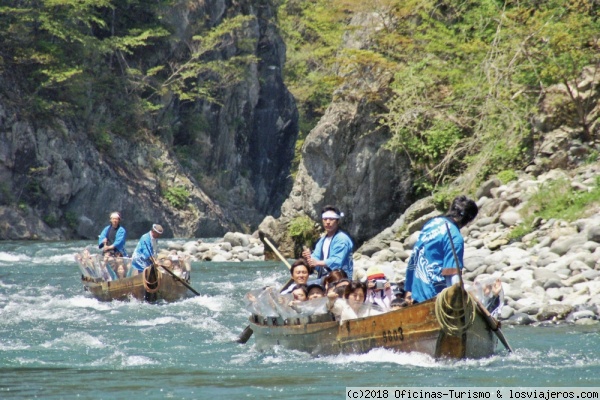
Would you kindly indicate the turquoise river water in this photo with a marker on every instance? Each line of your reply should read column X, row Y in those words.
column 57, row 342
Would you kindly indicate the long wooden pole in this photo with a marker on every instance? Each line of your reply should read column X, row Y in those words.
column 491, row 323
column 184, row 283
column 245, row 335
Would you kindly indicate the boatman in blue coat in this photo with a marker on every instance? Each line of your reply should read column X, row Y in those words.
column 432, row 267
column 112, row 239
column 147, row 247
column 334, row 250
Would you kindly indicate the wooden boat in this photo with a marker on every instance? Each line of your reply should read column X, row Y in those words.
column 113, row 278
column 440, row 327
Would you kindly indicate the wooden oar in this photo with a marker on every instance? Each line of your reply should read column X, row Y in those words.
column 493, row 324
column 247, row 332
column 266, row 241
column 184, row 283
column 489, row 320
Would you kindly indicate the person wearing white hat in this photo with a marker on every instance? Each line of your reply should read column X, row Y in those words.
column 334, row 250
column 146, row 248
column 112, row 238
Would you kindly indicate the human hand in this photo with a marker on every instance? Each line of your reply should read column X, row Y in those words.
column 306, row 254
column 497, row 288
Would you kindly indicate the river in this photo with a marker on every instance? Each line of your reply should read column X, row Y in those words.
column 57, row 342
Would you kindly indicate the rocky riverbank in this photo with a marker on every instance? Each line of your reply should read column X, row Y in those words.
column 550, row 275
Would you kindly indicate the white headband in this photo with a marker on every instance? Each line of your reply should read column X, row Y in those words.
column 115, row 215
column 332, row 215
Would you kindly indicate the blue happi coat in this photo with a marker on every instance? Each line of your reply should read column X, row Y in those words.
column 120, row 238
column 143, row 251
column 340, row 253
column 433, row 253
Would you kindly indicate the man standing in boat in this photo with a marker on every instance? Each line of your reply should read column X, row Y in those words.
column 432, row 267
column 146, row 248
column 334, row 250
column 112, row 239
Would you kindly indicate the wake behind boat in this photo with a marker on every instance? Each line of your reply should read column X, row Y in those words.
column 452, row 325
column 110, row 278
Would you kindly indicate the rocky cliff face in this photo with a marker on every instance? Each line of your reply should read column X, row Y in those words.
column 55, row 184
column 344, row 160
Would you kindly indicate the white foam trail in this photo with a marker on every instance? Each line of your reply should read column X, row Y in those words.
column 59, row 259
column 381, row 355
column 12, row 258
column 214, row 303
column 75, row 340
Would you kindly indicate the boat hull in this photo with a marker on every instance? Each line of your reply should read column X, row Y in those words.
column 110, row 278
column 410, row 329
column 134, row 288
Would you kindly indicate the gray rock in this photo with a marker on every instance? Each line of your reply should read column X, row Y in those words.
column 371, row 247
column 574, row 316
column 486, row 187
column 510, row 217
column 545, row 275
column 552, row 283
column 593, row 233
column 563, row 244
column 587, row 321
column 520, row 319
column 554, row 311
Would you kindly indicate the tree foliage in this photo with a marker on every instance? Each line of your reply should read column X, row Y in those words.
column 111, row 64
column 468, row 75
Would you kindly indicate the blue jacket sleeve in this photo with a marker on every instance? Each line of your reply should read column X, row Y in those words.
column 338, row 253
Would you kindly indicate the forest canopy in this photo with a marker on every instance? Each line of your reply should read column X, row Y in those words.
column 468, row 75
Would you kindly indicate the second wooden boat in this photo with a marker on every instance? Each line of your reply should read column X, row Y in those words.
column 449, row 326
column 113, row 278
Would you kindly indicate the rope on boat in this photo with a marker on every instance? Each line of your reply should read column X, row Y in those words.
column 454, row 320
column 151, row 286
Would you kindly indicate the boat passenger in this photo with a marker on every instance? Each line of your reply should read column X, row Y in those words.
column 146, row 248
column 112, row 238
column 431, row 267
column 334, row 250
column 315, row 291
column 397, row 304
column 300, row 271
column 300, row 294
column 120, row 269
column 333, row 277
column 379, row 289
column 351, row 306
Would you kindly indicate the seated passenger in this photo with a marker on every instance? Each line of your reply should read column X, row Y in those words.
column 315, row 292
column 300, row 294
column 351, row 306
column 332, row 277
column 120, row 269
column 379, row 289
column 299, row 271
column 397, row 304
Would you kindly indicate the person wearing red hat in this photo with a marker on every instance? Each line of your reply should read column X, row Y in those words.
column 379, row 289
